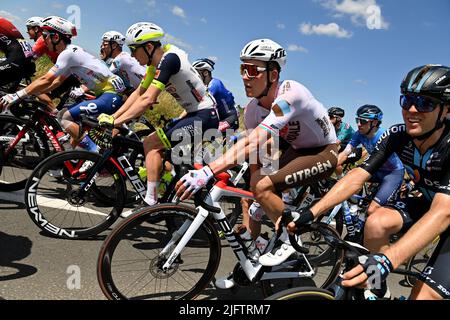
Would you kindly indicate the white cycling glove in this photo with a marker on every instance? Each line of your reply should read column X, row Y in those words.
column 12, row 98
column 76, row 93
column 194, row 180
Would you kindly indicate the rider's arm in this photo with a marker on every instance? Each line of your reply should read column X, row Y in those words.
column 350, row 184
column 343, row 156
column 423, row 232
column 130, row 101
column 44, row 84
column 138, row 108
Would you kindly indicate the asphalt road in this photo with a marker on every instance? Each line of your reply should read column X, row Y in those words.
column 34, row 266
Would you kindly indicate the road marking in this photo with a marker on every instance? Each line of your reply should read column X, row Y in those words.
column 18, row 197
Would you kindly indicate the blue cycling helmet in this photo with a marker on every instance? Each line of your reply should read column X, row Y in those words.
column 369, row 112
column 204, row 64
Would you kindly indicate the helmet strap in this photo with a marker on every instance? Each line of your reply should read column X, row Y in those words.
column 150, row 55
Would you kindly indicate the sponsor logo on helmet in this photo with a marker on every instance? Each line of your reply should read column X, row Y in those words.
column 440, row 80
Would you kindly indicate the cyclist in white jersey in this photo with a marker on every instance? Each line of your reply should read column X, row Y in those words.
column 73, row 60
column 296, row 116
column 119, row 61
column 168, row 69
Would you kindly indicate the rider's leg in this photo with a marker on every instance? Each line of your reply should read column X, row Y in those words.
column 153, row 150
column 422, row 291
column 379, row 226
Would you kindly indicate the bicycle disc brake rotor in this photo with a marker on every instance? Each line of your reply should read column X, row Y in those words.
column 156, row 267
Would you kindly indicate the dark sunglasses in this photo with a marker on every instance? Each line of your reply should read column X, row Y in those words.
column 46, row 34
column 422, row 104
column 134, row 48
column 251, row 70
column 362, row 121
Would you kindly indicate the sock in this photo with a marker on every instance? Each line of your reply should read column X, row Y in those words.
column 151, row 198
column 88, row 144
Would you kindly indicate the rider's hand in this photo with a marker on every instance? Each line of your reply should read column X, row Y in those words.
column 377, row 265
column 297, row 219
column 223, row 126
column 76, row 93
column 106, row 120
column 12, row 98
column 193, row 181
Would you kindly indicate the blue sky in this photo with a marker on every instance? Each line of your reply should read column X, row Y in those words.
column 345, row 51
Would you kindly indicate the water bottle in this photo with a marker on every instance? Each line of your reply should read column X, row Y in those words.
column 348, row 219
column 354, row 212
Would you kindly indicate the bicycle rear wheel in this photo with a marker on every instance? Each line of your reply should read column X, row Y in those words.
column 130, row 261
column 16, row 167
column 53, row 202
column 323, row 258
column 302, row 293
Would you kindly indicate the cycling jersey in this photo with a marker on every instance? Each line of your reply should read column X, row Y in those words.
column 392, row 163
column 91, row 72
column 176, row 75
column 18, row 54
column 296, row 116
column 40, row 48
column 128, row 68
column 344, row 134
column 224, row 99
column 431, row 169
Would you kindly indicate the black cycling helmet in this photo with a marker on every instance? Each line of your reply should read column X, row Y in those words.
column 370, row 112
column 430, row 80
column 336, row 112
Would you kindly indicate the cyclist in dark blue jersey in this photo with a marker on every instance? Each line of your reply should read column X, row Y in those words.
column 228, row 114
column 423, row 145
column 390, row 175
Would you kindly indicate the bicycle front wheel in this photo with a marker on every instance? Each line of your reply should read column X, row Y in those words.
column 16, row 166
column 303, row 293
column 55, row 204
column 131, row 259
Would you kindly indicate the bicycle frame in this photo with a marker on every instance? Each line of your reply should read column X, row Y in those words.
column 253, row 270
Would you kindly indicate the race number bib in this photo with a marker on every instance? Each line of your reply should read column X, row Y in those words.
column 117, row 83
column 26, row 48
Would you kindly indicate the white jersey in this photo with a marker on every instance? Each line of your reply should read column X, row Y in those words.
column 295, row 115
column 91, row 72
column 176, row 75
column 128, row 68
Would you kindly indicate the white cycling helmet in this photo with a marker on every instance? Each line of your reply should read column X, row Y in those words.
column 114, row 36
column 34, row 22
column 204, row 64
column 143, row 32
column 264, row 50
column 60, row 25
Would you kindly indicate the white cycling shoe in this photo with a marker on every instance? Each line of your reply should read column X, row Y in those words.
column 280, row 254
column 225, row 283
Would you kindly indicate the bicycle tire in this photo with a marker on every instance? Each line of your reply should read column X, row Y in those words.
column 53, row 205
column 15, row 170
column 302, row 293
column 328, row 264
column 146, row 232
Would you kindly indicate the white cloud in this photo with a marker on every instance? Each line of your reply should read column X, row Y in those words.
column 150, row 3
column 178, row 42
column 362, row 82
column 281, row 26
column 297, row 48
column 362, row 12
column 9, row 16
column 213, row 58
column 203, row 20
column 177, row 11
column 57, row 5
column 331, row 30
